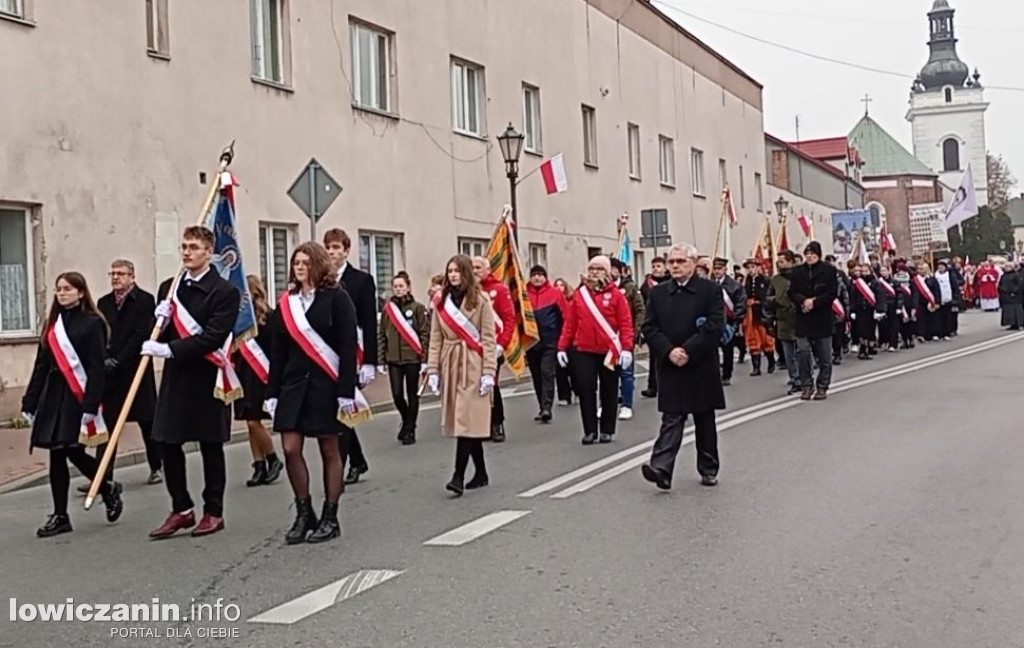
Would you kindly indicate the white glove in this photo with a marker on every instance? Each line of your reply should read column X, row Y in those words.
column 486, row 384
column 156, row 349
column 879, row 317
column 346, row 405
column 366, row 375
column 87, row 419
column 423, row 369
column 382, row 370
column 270, row 406
column 434, row 382
column 31, row 418
column 501, row 350
column 853, row 316
column 563, row 359
column 626, row 360
column 164, row 309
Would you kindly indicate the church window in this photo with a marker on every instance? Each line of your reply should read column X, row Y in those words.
column 949, row 95
column 951, row 155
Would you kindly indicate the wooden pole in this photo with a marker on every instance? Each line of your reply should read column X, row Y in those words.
column 721, row 223
column 225, row 161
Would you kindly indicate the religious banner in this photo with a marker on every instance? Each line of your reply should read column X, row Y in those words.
column 849, row 227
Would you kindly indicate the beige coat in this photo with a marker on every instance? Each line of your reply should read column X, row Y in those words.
column 464, row 412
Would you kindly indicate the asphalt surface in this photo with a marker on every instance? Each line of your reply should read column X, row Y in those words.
column 890, row 515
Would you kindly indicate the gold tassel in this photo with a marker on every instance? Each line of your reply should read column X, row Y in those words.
column 228, row 397
column 352, row 420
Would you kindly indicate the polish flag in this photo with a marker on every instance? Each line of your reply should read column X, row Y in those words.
column 805, row 224
column 553, row 171
column 888, row 240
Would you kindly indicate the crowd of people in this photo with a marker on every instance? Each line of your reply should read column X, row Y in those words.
column 325, row 339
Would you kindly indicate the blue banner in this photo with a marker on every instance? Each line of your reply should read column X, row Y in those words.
column 626, row 251
column 227, row 260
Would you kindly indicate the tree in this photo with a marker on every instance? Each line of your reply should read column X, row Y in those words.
column 985, row 234
column 1000, row 182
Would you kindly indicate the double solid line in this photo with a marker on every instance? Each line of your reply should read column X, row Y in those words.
column 596, row 473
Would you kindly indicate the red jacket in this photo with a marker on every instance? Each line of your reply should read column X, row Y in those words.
column 504, row 309
column 582, row 332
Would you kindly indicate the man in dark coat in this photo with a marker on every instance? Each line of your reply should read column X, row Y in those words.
column 549, row 311
column 735, row 300
column 187, row 409
column 659, row 274
column 685, row 319
column 128, row 310
column 362, row 289
column 813, row 287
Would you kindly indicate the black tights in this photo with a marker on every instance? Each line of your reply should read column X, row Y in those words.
column 60, row 476
column 298, row 472
column 466, row 448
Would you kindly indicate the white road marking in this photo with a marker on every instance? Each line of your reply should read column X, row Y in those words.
column 475, row 529
column 309, row 604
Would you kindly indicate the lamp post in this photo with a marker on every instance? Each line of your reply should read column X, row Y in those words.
column 511, row 144
column 781, row 205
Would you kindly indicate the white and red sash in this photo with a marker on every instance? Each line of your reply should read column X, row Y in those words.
column 865, row 291
column 906, row 290
column 922, row 288
column 612, row 336
column 228, row 387
column 651, row 283
column 730, row 308
column 404, row 328
column 886, row 287
column 837, row 308
column 360, row 352
column 95, row 433
column 317, row 350
column 257, row 359
column 456, row 320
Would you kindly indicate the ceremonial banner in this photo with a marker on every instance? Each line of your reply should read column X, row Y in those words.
column 504, row 259
column 964, row 204
column 849, row 227
column 227, row 256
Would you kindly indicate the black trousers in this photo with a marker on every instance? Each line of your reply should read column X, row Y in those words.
column 152, row 451
column 889, row 330
column 405, row 385
column 728, row 358
column 594, row 381
column 465, row 449
column 543, row 364
column 563, row 381
column 838, row 339
column 670, row 438
column 351, row 449
column 944, row 317
column 214, row 477
column 652, row 377
column 497, row 403
column 60, row 476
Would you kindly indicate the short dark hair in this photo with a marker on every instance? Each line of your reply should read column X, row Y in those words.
column 658, row 259
column 788, row 255
column 199, row 233
column 337, row 235
column 618, row 265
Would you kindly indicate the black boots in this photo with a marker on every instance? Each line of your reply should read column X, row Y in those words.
column 305, row 521
column 498, row 433
column 265, row 471
column 56, row 524
column 771, row 362
column 407, row 434
column 755, row 361
column 355, row 472
column 329, row 527
column 456, row 485
column 479, row 480
column 112, row 500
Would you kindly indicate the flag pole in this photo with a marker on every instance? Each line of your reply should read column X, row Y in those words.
column 721, row 223
column 108, row 455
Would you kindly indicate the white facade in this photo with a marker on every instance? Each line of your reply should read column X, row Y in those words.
column 949, row 126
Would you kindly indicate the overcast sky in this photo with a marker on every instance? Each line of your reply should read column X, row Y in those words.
column 887, row 34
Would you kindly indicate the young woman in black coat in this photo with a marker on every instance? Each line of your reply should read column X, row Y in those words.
column 303, row 398
column 59, row 418
column 266, row 467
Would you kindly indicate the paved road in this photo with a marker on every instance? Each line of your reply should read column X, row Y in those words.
column 889, row 516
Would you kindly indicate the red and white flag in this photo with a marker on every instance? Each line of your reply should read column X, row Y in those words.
column 553, row 172
column 806, row 225
column 888, row 241
column 727, row 199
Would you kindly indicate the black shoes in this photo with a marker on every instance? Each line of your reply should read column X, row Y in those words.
column 259, row 474
column 755, row 362
column 305, row 521
column 709, row 480
column 589, row 439
column 649, row 393
column 455, row 486
column 545, row 417
column 113, row 502
column 794, row 389
column 726, row 382
column 605, row 438
column 656, row 477
column 329, row 528
column 771, row 363
column 498, row 433
column 56, row 524
column 479, row 480
column 355, row 472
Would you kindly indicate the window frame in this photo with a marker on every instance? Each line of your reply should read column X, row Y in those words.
column 30, row 278
column 667, row 164
column 158, row 32
column 538, row 259
column 459, row 72
column 267, row 272
column 697, row 172
column 946, row 154
column 532, row 114
column 385, row 75
column 723, row 173
column 759, row 188
column 633, row 150
column 472, row 241
column 258, row 32
column 589, row 117
column 18, row 13
column 383, row 284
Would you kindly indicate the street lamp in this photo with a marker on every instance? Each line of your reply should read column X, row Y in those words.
column 781, row 205
column 511, row 144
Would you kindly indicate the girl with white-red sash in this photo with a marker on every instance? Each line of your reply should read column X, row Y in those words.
column 462, row 365
column 62, row 401
column 597, row 339
column 401, row 347
column 312, row 382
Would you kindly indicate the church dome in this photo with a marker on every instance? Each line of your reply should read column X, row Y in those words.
column 941, row 72
column 944, row 67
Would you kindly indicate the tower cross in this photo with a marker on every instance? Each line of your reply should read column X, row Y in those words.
column 866, row 100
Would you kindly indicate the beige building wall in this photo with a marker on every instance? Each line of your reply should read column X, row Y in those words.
column 103, row 144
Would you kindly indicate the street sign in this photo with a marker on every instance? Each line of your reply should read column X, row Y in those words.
column 655, row 241
column 314, row 191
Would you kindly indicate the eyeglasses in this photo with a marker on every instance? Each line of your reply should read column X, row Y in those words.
column 678, row 261
column 118, row 273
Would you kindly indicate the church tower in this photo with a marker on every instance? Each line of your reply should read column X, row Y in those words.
column 947, row 109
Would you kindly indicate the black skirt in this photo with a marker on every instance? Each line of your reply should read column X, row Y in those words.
column 250, row 406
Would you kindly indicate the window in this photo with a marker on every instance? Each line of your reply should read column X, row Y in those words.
column 949, row 95
column 667, row 161
column 760, row 194
column 17, row 303
column 371, row 67
column 380, row 255
column 468, row 98
column 538, row 254
column 592, row 252
column 11, row 8
column 589, row 136
column 951, row 155
column 697, row 162
column 276, row 244
column 268, row 40
column 639, row 265
column 723, row 173
column 633, row 137
column 157, row 40
column 743, row 189
column 472, row 247
column 531, row 119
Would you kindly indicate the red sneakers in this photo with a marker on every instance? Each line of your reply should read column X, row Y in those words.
column 175, row 522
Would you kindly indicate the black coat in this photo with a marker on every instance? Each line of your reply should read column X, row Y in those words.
column 307, row 395
column 58, row 413
column 819, row 282
column 363, row 291
column 187, row 409
column 672, row 314
column 130, row 326
column 739, row 300
column 250, row 406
